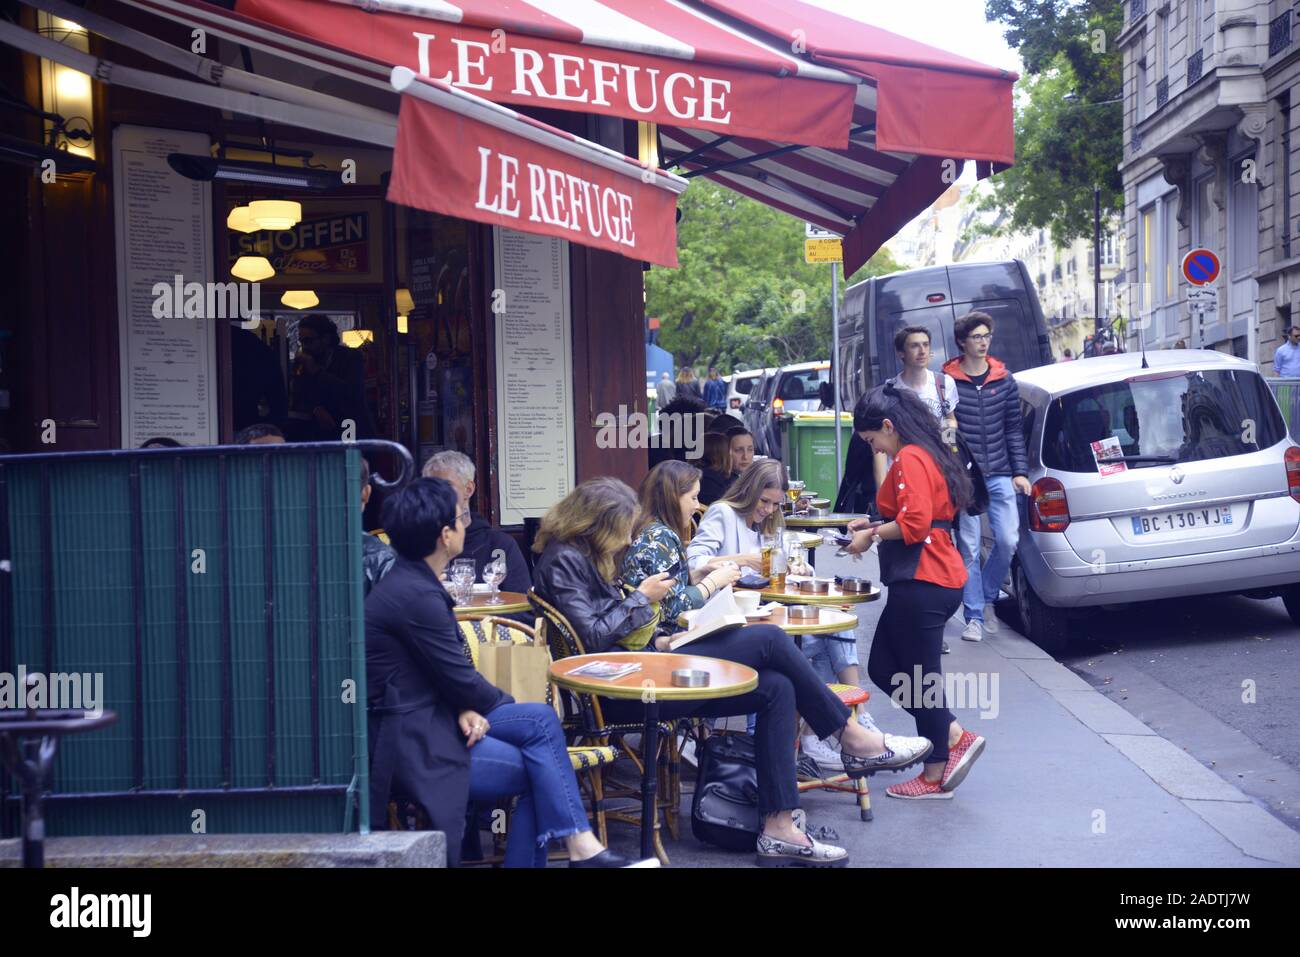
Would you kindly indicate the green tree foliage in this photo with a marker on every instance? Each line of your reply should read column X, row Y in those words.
column 742, row 296
column 1064, row 147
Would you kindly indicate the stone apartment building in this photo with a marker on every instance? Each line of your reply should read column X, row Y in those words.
column 1209, row 161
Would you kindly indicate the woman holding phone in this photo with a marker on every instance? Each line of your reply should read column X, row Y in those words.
column 924, row 490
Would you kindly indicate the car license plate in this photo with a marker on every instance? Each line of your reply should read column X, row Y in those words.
column 1182, row 520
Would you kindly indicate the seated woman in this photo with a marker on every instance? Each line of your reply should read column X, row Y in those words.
column 440, row 734
column 730, row 530
column 578, row 541
column 716, row 467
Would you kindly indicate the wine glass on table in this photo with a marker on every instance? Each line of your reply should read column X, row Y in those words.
column 494, row 573
column 795, row 491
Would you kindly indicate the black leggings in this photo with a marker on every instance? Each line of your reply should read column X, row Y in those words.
column 910, row 635
column 786, row 684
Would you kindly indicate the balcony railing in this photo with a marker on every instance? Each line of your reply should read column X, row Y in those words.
column 1162, row 92
column 1279, row 34
column 1195, row 66
column 1137, row 9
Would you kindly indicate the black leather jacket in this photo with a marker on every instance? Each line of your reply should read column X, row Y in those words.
column 594, row 607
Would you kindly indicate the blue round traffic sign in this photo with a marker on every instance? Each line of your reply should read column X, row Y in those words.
column 1201, row 267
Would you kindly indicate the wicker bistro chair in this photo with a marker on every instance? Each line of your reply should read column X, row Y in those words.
column 584, row 718
column 854, row 697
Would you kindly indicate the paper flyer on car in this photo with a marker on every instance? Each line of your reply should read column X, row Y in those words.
column 1109, row 456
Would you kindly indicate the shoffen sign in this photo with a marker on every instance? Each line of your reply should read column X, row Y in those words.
column 461, row 156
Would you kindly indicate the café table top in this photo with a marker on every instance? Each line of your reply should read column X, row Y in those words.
column 726, row 678
column 831, row 520
column 513, row 603
column 831, row 621
column 836, row 596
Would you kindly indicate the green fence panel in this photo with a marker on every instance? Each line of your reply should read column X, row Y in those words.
column 218, row 595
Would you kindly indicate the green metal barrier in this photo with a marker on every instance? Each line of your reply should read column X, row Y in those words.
column 1287, row 392
column 218, row 591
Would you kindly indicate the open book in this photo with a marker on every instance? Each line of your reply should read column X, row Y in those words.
column 718, row 614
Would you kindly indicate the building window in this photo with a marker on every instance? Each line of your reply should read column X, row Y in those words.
column 1195, row 26
column 1147, row 236
column 1140, row 90
column 1162, row 45
column 1169, row 210
column 1243, row 209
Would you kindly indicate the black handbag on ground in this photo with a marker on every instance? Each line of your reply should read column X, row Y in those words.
column 724, row 811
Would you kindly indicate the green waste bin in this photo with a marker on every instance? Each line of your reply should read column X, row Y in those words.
column 808, row 448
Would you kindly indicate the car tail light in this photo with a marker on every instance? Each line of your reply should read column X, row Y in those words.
column 778, row 406
column 1293, row 472
column 735, row 403
column 1048, row 509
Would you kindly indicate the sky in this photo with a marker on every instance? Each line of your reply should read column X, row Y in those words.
column 954, row 25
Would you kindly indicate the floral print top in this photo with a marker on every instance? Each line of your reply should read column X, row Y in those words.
column 656, row 550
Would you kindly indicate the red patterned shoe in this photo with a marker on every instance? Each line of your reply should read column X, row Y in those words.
column 918, row 789
column 960, row 758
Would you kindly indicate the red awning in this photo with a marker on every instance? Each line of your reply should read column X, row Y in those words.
column 463, row 156
column 653, row 60
column 861, row 166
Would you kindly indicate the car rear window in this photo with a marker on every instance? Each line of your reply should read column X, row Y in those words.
column 1163, row 418
column 743, row 386
column 803, row 385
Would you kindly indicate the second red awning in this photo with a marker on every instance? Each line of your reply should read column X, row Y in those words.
column 462, row 156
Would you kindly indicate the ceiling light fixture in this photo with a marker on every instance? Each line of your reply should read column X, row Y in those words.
column 275, row 213
column 300, row 299
column 252, row 268
column 356, row 338
column 240, row 221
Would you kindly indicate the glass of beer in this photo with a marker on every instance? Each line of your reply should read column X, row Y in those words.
column 765, row 546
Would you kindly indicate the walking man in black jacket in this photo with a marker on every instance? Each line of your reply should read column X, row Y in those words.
column 988, row 418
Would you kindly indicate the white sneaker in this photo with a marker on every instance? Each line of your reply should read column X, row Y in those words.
column 864, row 719
column 972, row 631
column 990, row 620
column 827, row 758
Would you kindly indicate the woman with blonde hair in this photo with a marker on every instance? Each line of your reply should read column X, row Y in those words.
column 688, row 386
column 732, row 526
column 578, row 542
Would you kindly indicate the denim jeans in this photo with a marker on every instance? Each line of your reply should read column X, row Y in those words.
column 829, row 655
column 524, row 753
column 983, row 583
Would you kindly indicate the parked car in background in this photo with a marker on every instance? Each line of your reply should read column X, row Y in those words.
column 933, row 298
column 1149, row 483
column 792, row 388
column 739, row 387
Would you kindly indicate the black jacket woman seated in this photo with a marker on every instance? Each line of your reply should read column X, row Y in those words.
column 440, row 734
column 579, row 540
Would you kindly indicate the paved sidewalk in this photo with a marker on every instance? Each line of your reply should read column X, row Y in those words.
column 1069, row 778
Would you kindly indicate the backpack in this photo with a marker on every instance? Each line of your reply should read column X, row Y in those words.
column 724, row 810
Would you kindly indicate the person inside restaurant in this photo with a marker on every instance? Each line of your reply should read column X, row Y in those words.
column 742, row 448
column 440, row 734
column 377, row 558
column 326, row 388
column 579, row 541
column 715, row 468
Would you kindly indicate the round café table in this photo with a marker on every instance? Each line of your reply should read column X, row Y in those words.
column 652, row 684
column 831, row 621
column 512, row 603
column 831, row 520
column 836, row 596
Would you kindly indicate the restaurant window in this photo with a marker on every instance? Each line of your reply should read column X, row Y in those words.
column 1169, row 211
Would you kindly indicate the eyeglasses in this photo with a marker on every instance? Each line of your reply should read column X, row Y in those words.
column 980, row 336
column 463, row 517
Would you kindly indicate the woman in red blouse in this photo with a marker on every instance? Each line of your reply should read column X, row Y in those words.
column 919, row 500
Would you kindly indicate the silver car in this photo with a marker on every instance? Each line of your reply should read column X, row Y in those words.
column 1175, row 479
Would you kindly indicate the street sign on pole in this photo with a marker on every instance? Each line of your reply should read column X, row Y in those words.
column 1207, row 296
column 1201, row 267
column 821, row 245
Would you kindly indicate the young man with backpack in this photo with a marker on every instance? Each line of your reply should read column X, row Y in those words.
column 936, row 390
column 990, row 423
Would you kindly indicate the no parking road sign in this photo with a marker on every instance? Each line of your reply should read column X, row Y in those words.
column 1201, row 267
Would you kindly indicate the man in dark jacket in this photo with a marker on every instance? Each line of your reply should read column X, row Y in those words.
column 989, row 419
column 483, row 543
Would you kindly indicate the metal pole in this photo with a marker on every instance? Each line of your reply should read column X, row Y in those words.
column 835, row 373
column 1096, row 260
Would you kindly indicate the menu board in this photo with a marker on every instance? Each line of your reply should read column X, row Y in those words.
column 164, row 231
column 534, row 366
